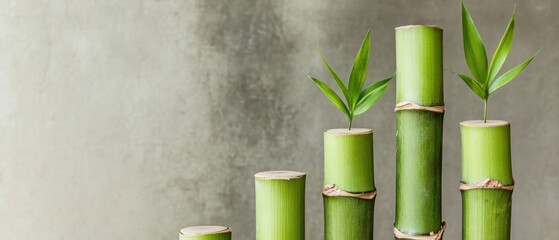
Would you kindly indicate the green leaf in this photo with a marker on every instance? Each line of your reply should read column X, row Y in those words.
column 502, row 50
column 339, row 81
column 476, row 86
column 476, row 57
column 371, row 95
column 359, row 72
column 331, row 95
column 510, row 75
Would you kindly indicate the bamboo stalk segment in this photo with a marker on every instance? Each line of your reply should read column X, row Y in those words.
column 419, row 66
column 280, row 205
column 348, row 218
column 487, row 181
column 349, row 186
column 348, row 159
column 486, row 151
column 211, row 232
column 419, row 126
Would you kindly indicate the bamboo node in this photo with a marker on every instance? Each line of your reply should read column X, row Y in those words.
column 410, row 105
column 432, row 236
column 331, row 190
column 487, row 183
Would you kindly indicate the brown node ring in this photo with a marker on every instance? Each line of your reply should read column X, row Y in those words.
column 410, row 105
column 331, row 190
column 487, row 183
column 432, row 236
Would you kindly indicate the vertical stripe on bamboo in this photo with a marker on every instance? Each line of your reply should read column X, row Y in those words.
column 486, row 154
column 419, row 128
column 205, row 233
column 349, row 166
column 280, row 205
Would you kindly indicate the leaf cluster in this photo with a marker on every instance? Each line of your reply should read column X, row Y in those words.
column 485, row 80
column 357, row 99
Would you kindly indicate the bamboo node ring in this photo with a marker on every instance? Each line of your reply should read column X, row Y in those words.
column 487, row 183
column 331, row 190
column 432, row 236
column 410, row 105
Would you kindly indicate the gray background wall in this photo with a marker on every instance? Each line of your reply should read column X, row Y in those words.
column 132, row 119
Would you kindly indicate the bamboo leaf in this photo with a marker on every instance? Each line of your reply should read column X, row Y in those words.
column 339, row 81
column 510, row 75
column 476, row 86
column 502, row 50
column 371, row 95
column 476, row 57
column 331, row 95
column 359, row 72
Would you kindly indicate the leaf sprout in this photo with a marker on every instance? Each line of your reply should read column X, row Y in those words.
column 357, row 99
column 485, row 80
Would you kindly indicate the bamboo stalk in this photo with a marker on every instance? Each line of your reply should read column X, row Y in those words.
column 349, row 184
column 486, row 160
column 419, row 126
column 205, row 233
column 348, row 159
column 280, row 205
column 348, row 217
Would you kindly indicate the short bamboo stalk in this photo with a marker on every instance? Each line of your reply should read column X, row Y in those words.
column 349, row 186
column 487, row 181
column 205, row 233
column 419, row 128
column 280, row 205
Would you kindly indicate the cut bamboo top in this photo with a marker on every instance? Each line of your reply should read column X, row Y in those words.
column 204, row 230
column 412, row 26
column 279, row 175
column 480, row 123
column 353, row 131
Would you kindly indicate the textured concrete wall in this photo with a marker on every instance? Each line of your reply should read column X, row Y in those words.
column 132, row 119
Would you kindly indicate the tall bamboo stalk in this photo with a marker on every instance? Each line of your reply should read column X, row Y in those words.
column 419, row 126
column 487, row 181
column 349, row 185
column 280, row 205
column 205, row 233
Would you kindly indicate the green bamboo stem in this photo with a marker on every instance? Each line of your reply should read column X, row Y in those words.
column 348, row 159
column 349, row 166
column 280, row 205
column 486, row 212
column 205, row 233
column 348, row 218
column 419, row 57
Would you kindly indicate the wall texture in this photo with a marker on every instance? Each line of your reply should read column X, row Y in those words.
column 132, row 119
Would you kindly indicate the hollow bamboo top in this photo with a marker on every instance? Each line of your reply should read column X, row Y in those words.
column 414, row 26
column 480, row 123
column 353, row 131
column 279, row 175
column 204, row 230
